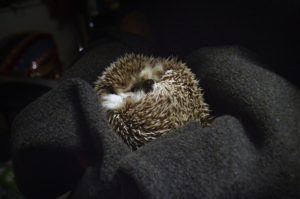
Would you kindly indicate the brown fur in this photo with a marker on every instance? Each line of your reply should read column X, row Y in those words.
column 175, row 99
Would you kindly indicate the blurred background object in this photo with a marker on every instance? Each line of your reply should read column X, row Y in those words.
column 29, row 55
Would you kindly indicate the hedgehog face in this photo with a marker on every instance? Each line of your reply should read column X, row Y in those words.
column 139, row 85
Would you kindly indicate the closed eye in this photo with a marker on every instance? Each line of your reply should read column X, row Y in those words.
column 136, row 87
column 110, row 90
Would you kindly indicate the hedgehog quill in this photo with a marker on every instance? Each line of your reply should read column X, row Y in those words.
column 146, row 97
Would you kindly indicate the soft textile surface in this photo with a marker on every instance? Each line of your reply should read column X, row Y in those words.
column 251, row 150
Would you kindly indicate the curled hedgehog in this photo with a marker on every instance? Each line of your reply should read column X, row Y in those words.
column 146, row 97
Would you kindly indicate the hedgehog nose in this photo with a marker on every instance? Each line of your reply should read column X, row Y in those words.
column 148, row 85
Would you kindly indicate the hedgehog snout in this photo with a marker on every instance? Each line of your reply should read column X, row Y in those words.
column 146, row 86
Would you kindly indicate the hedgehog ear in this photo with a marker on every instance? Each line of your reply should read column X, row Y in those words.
column 158, row 70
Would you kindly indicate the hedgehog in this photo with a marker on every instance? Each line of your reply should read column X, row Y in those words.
column 146, row 97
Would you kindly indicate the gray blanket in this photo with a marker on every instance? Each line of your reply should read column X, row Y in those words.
column 62, row 141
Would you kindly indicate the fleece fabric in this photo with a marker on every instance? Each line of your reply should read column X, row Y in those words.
column 62, row 141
